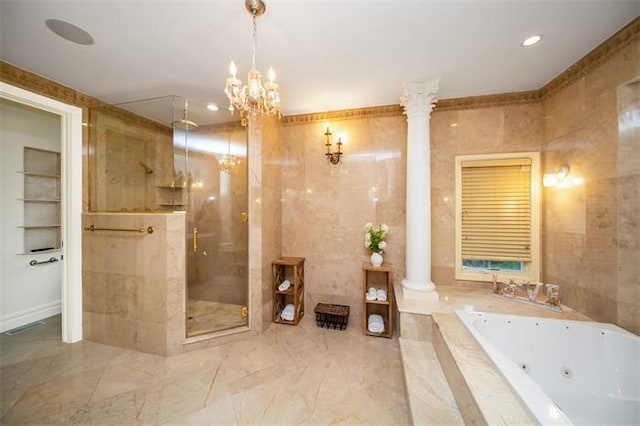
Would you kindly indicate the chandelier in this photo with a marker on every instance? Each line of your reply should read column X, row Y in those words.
column 228, row 161
column 253, row 98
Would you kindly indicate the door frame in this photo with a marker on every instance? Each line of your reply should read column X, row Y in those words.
column 71, row 191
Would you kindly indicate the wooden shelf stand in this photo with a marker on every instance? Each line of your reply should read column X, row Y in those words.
column 378, row 277
column 292, row 269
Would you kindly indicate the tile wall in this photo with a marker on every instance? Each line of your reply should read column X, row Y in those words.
column 325, row 207
column 134, row 283
column 592, row 239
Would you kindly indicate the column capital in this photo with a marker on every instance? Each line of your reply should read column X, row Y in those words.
column 418, row 98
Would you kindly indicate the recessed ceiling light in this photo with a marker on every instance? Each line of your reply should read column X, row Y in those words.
column 69, row 31
column 212, row 107
column 530, row 41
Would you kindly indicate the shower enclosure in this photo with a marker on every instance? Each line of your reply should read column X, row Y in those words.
column 191, row 164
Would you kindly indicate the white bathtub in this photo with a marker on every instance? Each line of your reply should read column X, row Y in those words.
column 565, row 372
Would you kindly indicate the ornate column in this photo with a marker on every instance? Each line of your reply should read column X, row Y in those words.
column 418, row 100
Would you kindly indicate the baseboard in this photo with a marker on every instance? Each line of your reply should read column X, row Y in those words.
column 27, row 316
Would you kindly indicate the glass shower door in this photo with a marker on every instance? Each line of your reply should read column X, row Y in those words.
column 211, row 166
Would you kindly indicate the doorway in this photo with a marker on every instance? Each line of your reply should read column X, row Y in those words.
column 63, row 238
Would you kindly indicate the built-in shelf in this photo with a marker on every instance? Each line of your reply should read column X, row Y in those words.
column 170, row 187
column 45, row 175
column 32, row 253
column 36, row 200
column 41, row 200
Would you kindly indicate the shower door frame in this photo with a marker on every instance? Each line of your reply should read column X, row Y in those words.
column 188, row 206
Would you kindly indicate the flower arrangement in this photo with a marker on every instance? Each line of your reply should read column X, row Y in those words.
column 374, row 237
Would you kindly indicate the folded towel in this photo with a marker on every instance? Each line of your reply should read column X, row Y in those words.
column 288, row 313
column 285, row 285
column 375, row 324
column 382, row 295
column 372, row 290
column 371, row 296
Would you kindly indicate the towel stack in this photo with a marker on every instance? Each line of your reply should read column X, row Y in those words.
column 372, row 294
column 379, row 295
column 288, row 312
column 285, row 285
column 375, row 324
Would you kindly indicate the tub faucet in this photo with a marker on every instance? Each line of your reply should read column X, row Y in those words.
column 553, row 294
column 532, row 290
column 511, row 289
column 495, row 287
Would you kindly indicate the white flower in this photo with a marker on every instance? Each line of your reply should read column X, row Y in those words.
column 368, row 226
column 382, row 245
column 384, row 228
column 366, row 244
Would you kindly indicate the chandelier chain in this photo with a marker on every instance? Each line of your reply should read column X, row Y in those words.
column 255, row 36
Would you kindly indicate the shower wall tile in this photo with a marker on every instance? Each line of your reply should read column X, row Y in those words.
column 133, row 294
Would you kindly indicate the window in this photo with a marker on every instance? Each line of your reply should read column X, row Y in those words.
column 498, row 216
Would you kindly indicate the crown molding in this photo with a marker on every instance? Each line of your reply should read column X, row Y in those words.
column 346, row 114
column 592, row 60
column 27, row 80
column 488, row 101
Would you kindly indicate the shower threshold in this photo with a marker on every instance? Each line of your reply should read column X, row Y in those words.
column 206, row 317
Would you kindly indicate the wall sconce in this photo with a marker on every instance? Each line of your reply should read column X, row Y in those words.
column 561, row 178
column 333, row 157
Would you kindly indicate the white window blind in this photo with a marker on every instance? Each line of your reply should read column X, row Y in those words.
column 496, row 209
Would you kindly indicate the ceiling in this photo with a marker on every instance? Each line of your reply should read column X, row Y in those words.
column 328, row 54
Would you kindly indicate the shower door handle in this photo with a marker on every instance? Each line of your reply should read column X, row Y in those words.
column 195, row 239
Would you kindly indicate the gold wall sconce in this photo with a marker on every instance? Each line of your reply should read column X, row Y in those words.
column 333, row 157
column 560, row 179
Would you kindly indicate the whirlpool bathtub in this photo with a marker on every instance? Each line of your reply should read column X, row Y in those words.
column 565, row 372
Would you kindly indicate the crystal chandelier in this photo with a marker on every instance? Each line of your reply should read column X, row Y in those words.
column 228, row 162
column 253, row 98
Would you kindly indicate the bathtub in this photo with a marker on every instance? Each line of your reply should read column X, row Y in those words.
column 565, row 372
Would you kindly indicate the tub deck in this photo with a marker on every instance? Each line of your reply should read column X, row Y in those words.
column 478, row 388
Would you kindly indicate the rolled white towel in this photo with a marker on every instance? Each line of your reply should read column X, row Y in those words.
column 375, row 323
column 285, row 285
column 371, row 296
column 382, row 295
column 288, row 313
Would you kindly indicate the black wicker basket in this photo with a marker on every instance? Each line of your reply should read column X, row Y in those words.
column 332, row 316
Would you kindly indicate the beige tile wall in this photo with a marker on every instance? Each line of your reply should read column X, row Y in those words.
column 592, row 237
column 134, row 283
column 265, row 219
column 325, row 206
column 499, row 129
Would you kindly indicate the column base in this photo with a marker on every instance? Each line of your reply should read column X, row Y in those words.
column 420, row 291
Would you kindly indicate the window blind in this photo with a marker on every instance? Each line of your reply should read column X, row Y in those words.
column 496, row 209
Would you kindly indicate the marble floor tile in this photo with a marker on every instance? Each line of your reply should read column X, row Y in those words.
column 287, row 375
